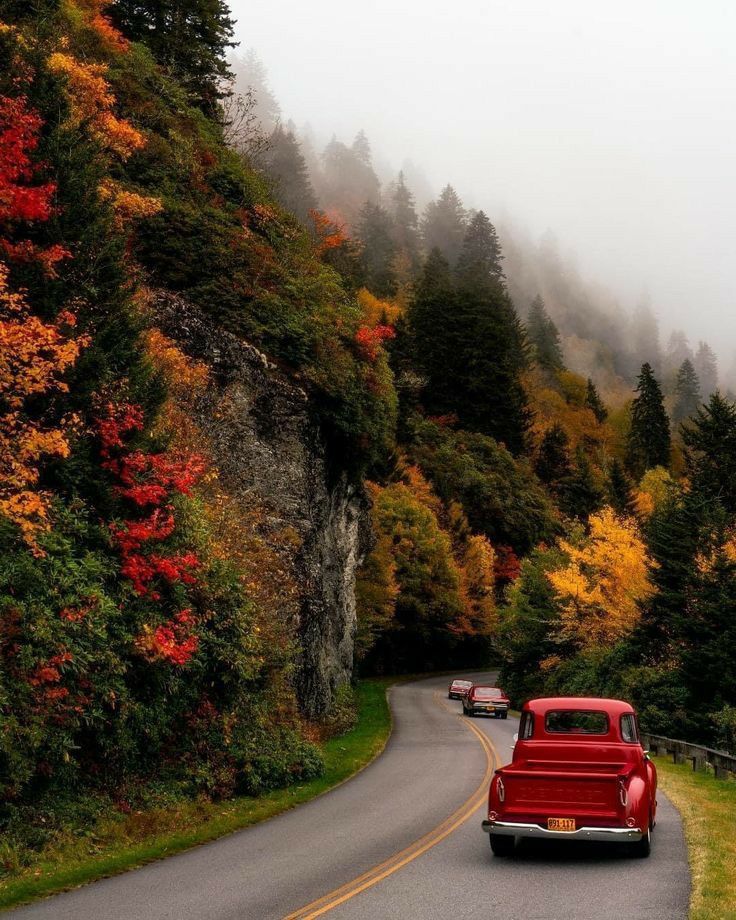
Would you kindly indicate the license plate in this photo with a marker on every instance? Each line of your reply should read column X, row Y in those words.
column 561, row 824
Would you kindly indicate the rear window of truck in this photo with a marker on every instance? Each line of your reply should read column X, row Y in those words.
column 576, row 722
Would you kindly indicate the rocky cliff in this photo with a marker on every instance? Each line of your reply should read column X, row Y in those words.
column 267, row 448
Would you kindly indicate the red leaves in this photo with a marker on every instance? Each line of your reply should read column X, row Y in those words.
column 370, row 338
column 149, row 480
column 507, row 565
column 19, row 137
column 21, row 201
column 173, row 641
column 145, row 479
column 329, row 234
column 48, row 672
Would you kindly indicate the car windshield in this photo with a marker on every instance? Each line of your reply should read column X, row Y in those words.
column 487, row 693
column 461, row 683
column 576, row 722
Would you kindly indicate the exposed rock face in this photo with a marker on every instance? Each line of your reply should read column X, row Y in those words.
column 267, row 447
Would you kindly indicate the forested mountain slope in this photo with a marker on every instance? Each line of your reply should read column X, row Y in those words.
column 231, row 372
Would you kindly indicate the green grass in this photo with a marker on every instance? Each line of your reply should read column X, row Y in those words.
column 123, row 842
column 708, row 809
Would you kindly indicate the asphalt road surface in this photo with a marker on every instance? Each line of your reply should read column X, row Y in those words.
column 402, row 839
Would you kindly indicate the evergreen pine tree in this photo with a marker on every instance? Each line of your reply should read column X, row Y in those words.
column 406, row 224
column 362, row 148
column 375, row 231
column 491, row 351
column 709, row 633
column 594, row 402
column 673, row 540
column 580, row 494
column 648, row 443
column 552, row 463
column 620, row 494
column 435, row 333
column 251, row 81
column 687, row 392
column 348, row 179
column 287, row 168
column 190, row 38
column 444, row 224
column 706, row 367
column 543, row 337
column 710, row 445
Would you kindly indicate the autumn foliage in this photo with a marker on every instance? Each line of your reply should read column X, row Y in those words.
column 604, row 583
column 24, row 197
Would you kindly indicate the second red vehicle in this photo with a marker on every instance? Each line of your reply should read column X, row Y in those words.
column 486, row 701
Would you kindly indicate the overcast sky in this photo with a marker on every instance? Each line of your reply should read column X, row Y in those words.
column 614, row 125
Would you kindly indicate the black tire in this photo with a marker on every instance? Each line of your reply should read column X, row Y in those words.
column 504, row 715
column 642, row 848
column 468, row 712
column 502, row 845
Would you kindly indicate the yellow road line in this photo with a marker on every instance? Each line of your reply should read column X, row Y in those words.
column 375, row 875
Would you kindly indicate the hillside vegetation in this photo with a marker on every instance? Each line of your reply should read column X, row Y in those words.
column 582, row 529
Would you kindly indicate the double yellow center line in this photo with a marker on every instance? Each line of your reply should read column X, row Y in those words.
column 375, row 875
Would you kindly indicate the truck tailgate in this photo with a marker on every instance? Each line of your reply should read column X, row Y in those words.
column 560, row 792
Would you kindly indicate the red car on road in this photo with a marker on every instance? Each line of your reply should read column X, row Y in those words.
column 458, row 688
column 578, row 773
column 482, row 700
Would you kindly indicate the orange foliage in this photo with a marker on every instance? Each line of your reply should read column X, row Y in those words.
column 91, row 103
column 92, row 10
column 127, row 206
column 375, row 311
column 329, row 234
column 183, row 374
column 33, row 359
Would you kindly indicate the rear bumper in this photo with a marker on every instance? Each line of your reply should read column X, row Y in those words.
column 600, row 834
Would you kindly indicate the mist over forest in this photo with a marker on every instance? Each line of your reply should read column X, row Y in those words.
column 594, row 140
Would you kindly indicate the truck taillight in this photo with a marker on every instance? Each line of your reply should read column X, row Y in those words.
column 501, row 790
column 492, row 815
column 630, row 822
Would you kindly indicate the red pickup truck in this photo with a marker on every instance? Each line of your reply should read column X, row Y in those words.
column 578, row 773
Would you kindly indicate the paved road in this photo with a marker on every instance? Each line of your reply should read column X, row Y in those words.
column 408, row 830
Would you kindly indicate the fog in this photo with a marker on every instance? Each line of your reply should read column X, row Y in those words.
column 613, row 125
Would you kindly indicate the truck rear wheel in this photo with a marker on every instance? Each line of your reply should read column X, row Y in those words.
column 502, row 845
column 642, row 848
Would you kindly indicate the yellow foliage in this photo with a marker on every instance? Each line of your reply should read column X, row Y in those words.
column 656, row 484
column 376, row 311
column 477, row 588
column 91, row 102
column 33, row 359
column 550, row 406
column 604, row 582
column 127, row 206
column 183, row 374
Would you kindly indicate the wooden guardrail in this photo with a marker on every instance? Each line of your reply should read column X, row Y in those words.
column 701, row 757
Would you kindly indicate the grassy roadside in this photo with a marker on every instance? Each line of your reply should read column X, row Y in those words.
column 708, row 809
column 122, row 842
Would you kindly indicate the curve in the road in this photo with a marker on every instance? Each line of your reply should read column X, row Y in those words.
column 401, row 840
column 360, row 884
